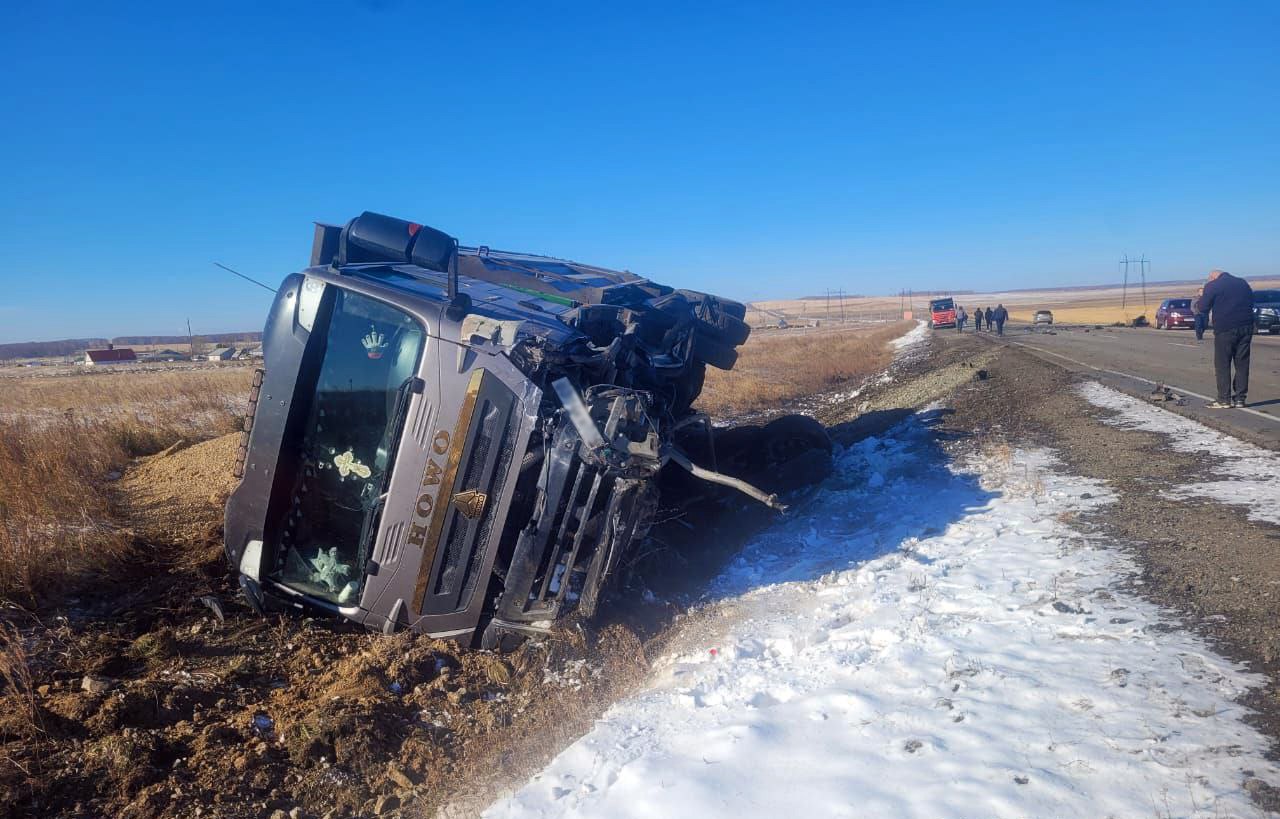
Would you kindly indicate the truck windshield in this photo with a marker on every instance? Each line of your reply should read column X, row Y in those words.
column 941, row 304
column 346, row 445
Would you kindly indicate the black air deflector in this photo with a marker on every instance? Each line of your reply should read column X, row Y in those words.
column 372, row 237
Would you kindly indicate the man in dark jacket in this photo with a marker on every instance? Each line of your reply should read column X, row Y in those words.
column 977, row 320
column 1000, row 315
column 1230, row 300
column 991, row 317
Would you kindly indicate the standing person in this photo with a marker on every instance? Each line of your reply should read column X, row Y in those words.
column 1230, row 299
column 1001, row 315
column 977, row 320
column 991, row 318
column 1202, row 318
column 961, row 318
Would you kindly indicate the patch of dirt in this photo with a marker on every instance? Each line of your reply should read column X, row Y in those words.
column 177, row 496
column 145, row 702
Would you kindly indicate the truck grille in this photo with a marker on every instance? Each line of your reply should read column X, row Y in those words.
column 472, row 501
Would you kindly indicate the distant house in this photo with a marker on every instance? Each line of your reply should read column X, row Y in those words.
column 221, row 354
column 165, row 355
column 111, row 355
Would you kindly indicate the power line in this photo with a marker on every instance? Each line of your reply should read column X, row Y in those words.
column 1143, row 264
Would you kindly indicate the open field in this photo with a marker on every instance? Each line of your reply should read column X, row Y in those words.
column 775, row 367
column 1069, row 305
column 63, row 441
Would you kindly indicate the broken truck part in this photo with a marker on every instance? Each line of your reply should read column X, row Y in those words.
column 461, row 441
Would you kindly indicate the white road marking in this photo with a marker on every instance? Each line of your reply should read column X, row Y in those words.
column 1174, row 387
column 1180, row 344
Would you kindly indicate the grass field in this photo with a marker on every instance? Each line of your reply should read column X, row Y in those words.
column 63, row 441
column 775, row 366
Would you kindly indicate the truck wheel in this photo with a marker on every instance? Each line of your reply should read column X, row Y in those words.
column 688, row 387
column 784, row 438
column 734, row 308
column 735, row 447
column 714, row 304
column 794, row 452
column 804, row 470
column 720, row 356
column 725, row 328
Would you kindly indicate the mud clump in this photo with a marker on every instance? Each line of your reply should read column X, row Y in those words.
column 177, row 496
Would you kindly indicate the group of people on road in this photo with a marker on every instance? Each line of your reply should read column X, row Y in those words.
column 1225, row 303
column 994, row 319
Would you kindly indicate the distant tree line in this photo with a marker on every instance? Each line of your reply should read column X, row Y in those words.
column 71, row 346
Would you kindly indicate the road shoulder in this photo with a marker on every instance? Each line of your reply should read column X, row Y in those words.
column 1201, row 558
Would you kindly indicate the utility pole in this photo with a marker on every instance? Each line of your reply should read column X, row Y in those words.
column 191, row 343
column 1143, row 265
column 842, row 305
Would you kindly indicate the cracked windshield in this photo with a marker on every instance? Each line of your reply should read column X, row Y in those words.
column 371, row 349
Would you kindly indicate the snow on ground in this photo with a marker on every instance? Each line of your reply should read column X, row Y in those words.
column 922, row 639
column 1247, row 472
column 913, row 336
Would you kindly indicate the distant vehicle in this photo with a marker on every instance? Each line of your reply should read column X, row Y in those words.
column 1175, row 313
column 1043, row 317
column 942, row 313
column 1266, row 311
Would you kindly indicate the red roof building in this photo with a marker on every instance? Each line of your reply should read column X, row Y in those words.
column 111, row 355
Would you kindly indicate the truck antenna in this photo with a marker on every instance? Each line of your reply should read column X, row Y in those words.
column 243, row 276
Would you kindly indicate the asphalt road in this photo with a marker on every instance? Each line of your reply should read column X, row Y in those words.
column 1135, row 359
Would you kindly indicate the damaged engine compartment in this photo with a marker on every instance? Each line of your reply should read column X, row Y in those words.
column 467, row 442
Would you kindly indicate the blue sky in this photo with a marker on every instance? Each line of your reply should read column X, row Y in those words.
column 745, row 149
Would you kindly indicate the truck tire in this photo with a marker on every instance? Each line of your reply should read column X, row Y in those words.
column 688, row 387
column 725, row 328
column 789, row 436
column 735, row 447
column 720, row 356
column 733, row 308
column 806, row 469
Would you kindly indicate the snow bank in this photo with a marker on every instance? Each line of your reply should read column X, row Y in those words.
column 935, row 641
column 913, row 337
column 1248, row 472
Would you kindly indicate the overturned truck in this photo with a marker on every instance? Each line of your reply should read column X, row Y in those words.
column 466, row 442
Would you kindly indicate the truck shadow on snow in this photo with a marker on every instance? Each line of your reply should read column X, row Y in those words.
column 892, row 484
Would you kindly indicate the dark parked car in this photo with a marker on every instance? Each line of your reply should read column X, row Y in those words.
column 1175, row 313
column 1266, row 311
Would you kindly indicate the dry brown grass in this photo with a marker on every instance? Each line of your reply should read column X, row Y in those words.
column 64, row 439
column 776, row 367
